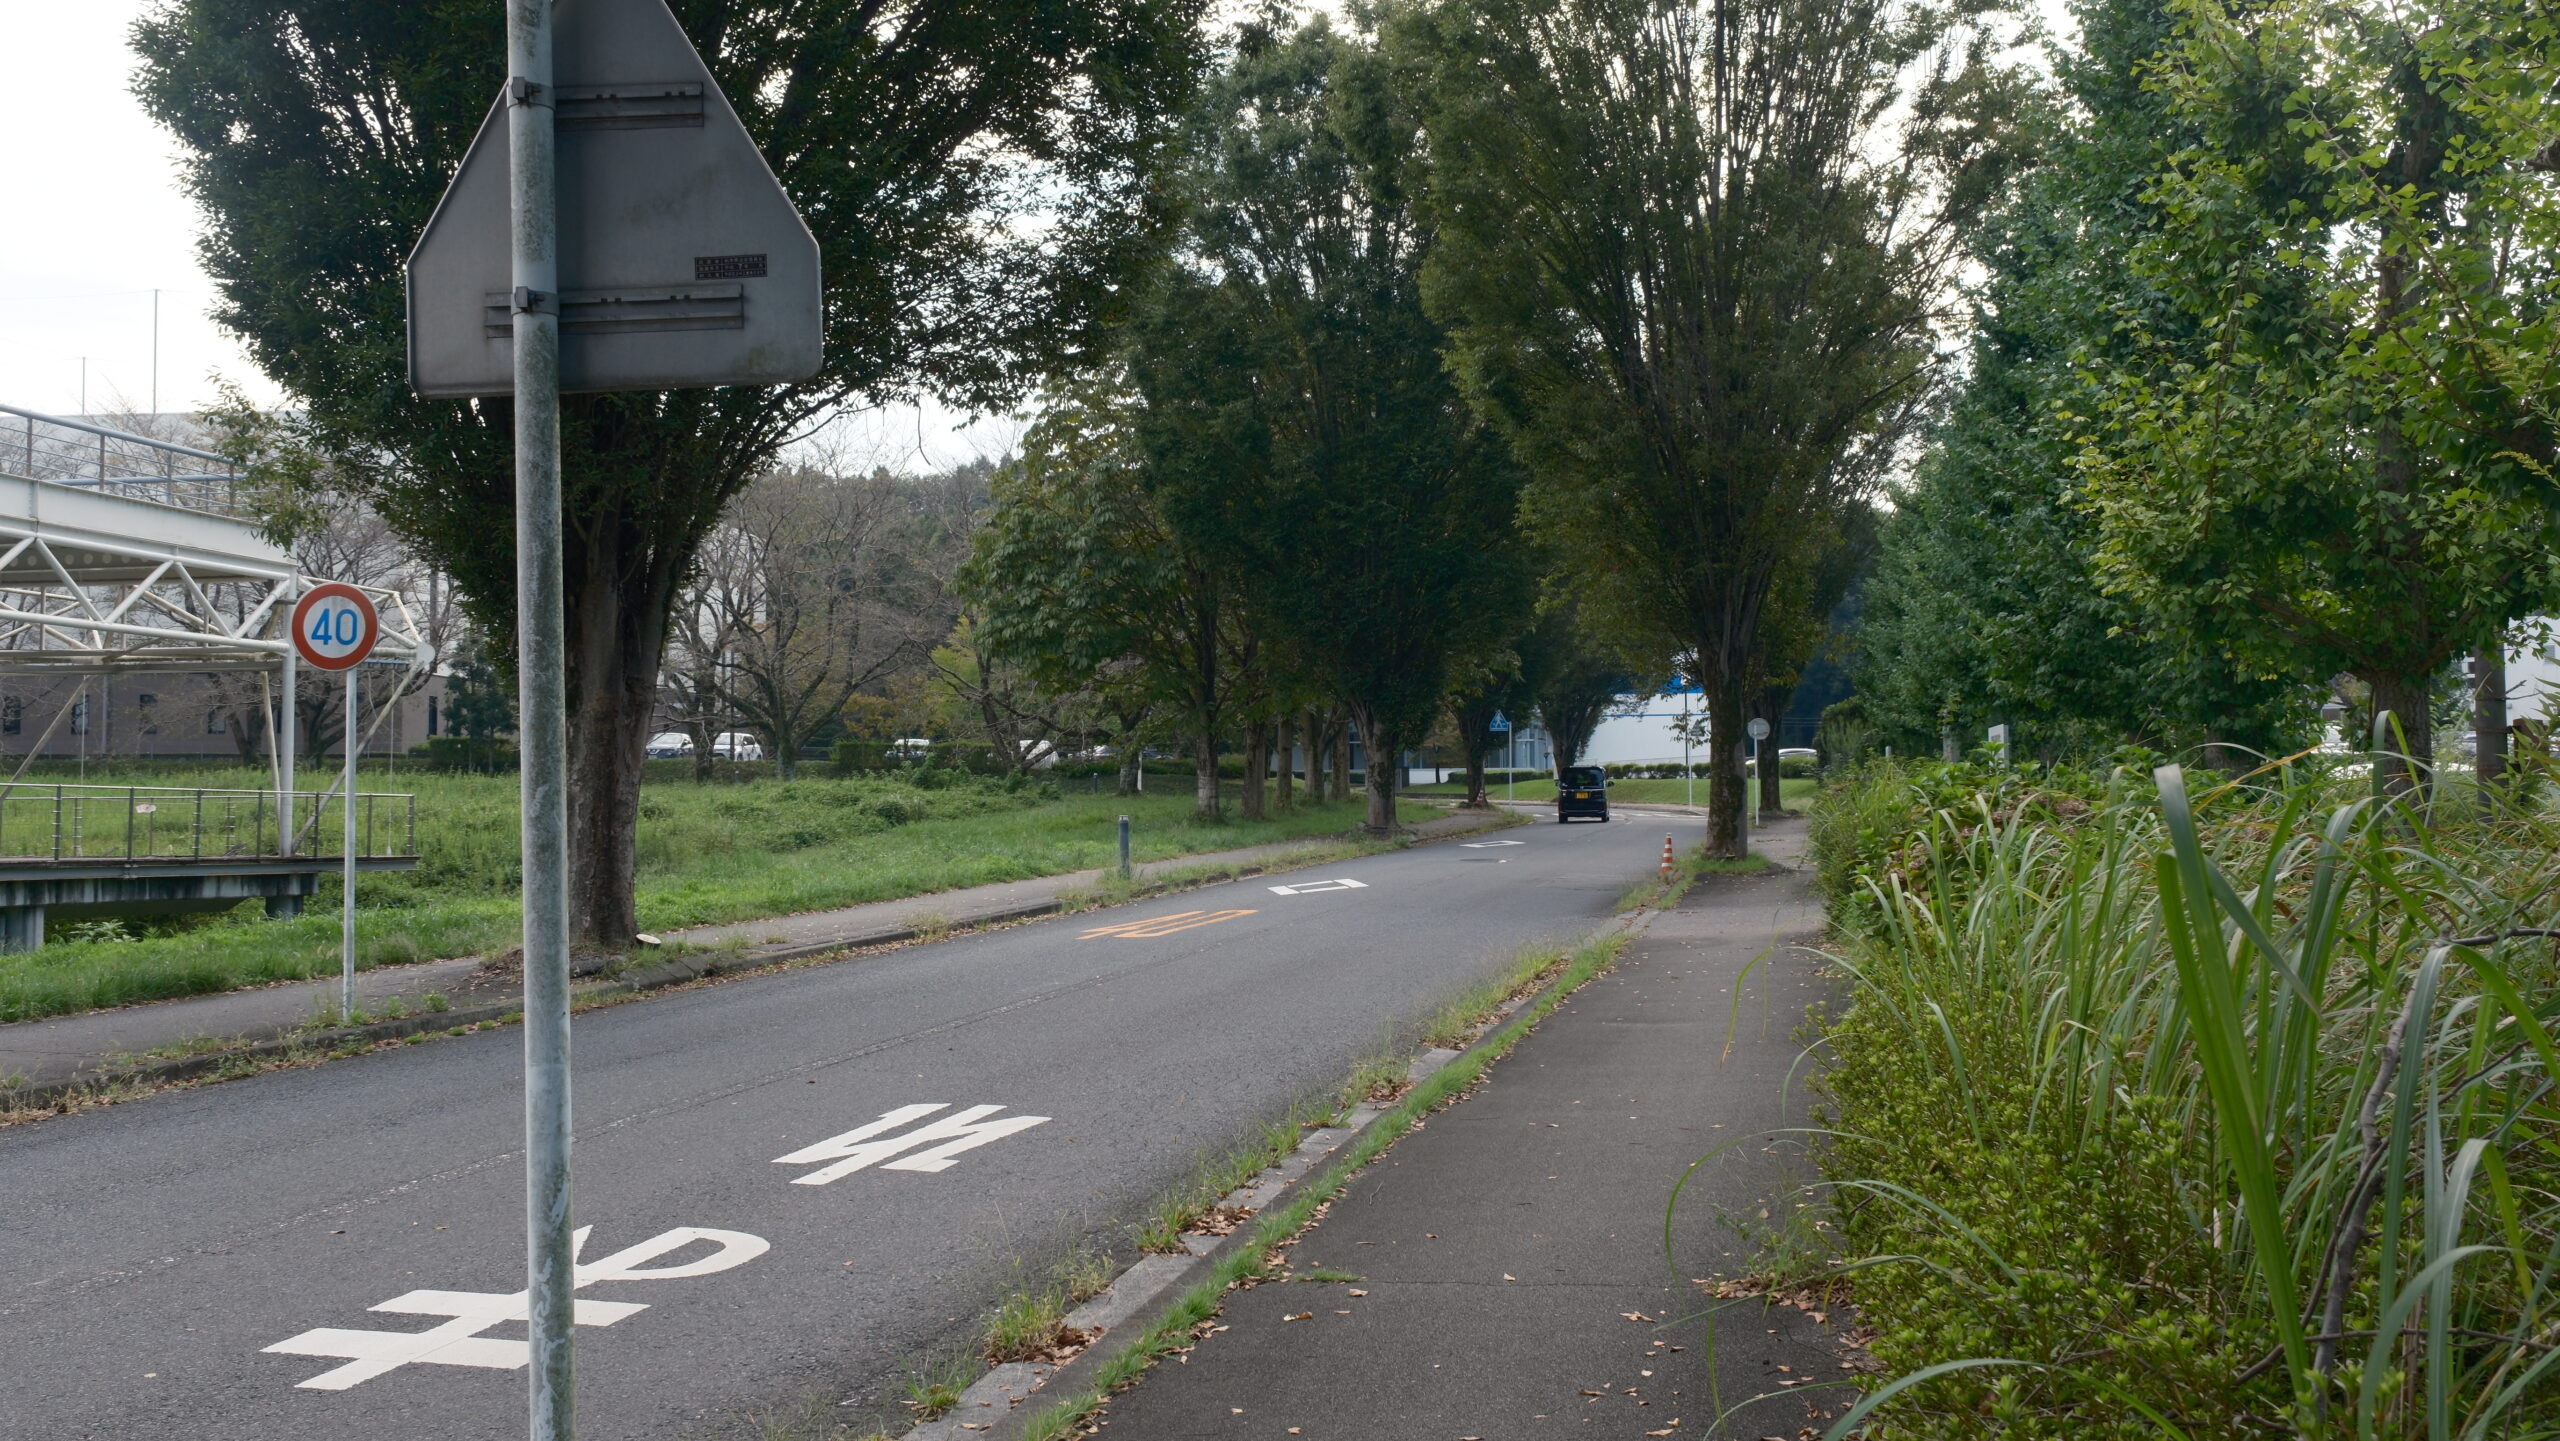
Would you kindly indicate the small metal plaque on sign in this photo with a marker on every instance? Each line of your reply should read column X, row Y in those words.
column 728, row 267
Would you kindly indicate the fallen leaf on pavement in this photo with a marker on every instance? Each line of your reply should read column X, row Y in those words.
column 1507, row 1276
column 1301, row 1316
column 1636, row 1316
column 1359, row 1293
column 1591, row 1393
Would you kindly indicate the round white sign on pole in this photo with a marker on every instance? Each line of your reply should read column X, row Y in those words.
column 1758, row 729
column 335, row 626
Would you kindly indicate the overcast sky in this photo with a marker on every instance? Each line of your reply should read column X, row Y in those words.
column 97, row 223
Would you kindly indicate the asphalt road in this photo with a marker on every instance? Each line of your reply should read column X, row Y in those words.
column 154, row 1250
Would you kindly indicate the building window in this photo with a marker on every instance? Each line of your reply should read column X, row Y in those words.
column 148, row 705
column 431, row 715
column 80, row 716
column 12, row 712
column 214, row 725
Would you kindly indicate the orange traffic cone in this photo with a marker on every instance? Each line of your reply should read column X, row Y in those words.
column 1666, row 858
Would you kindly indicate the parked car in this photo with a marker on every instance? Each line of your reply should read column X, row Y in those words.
column 736, row 746
column 1583, row 791
column 667, row 744
column 910, row 748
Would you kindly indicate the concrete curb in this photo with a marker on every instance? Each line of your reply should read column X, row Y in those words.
column 632, row 980
column 1125, row 1310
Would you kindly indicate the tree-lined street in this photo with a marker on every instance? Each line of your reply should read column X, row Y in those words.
column 156, row 1248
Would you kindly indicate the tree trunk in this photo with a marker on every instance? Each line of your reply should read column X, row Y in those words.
column 1319, row 755
column 1339, row 782
column 1726, row 748
column 1132, row 756
column 2406, row 748
column 1773, row 791
column 1257, row 757
column 1381, row 776
column 1475, row 775
column 2489, row 723
column 616, row 637
column 1285, row 790
column 1204, row 776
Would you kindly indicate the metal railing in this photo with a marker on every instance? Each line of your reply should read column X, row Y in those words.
column 114, row 462
column 41, row 822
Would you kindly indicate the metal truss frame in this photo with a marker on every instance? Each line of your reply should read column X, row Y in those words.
column 166, row 618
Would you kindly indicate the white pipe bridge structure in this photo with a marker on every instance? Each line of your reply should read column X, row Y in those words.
column 125, row 553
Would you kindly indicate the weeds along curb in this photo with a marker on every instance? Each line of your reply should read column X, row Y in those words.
column 629, row 980
column 1153, row 1307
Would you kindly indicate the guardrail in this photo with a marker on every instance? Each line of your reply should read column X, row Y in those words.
column 42, row 822
column 113, row 462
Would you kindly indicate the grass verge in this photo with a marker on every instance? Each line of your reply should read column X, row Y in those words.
column 1685, row 870
column 707, row 854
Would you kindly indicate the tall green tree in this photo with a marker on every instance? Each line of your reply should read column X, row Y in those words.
column 1299, row 421
column 1077, row 578
column 2356, row 473
column 1573, row 679
column 983, row 179
column 1691, row 254
column 1987, row 603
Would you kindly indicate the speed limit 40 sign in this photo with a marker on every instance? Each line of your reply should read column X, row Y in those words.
column 335, row 626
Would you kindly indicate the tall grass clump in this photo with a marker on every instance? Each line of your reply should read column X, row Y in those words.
column 2211, row 1110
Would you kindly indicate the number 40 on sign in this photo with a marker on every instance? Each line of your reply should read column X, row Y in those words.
column 335, row 626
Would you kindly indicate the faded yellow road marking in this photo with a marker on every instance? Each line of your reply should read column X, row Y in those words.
column 1164, row 925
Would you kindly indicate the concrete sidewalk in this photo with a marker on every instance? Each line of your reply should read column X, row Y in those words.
column 70, row 1049
column 1513, row 1281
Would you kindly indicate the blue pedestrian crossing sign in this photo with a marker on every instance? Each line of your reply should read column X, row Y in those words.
column 1501, row 722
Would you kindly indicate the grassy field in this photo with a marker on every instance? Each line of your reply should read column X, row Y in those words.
column 707, row 854
column 1796, row 793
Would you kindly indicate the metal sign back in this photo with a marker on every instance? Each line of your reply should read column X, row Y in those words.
column 682, row 262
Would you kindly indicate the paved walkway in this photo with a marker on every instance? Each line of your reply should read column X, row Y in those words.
column 65, row 1048
column 1513, row 1281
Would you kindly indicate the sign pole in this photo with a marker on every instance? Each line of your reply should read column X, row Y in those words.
column 534, row 269
column 285, row 741
column 347, row 881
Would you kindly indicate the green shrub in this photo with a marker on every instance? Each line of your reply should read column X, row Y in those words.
column 2135, row 1099
column 485, row 755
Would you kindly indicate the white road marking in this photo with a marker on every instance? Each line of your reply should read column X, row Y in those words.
column 1317, row 888
column 1487, row 845
column 857, row 1148
column 458, row 1341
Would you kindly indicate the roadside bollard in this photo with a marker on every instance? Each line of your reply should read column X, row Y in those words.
column 1666, row 858
column 1124, row 848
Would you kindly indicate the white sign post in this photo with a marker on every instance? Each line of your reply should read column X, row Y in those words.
column 1758, row 730
column 682, row 263
column 334, row 628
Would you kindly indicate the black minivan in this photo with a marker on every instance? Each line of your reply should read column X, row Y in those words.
column 1584, row 791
